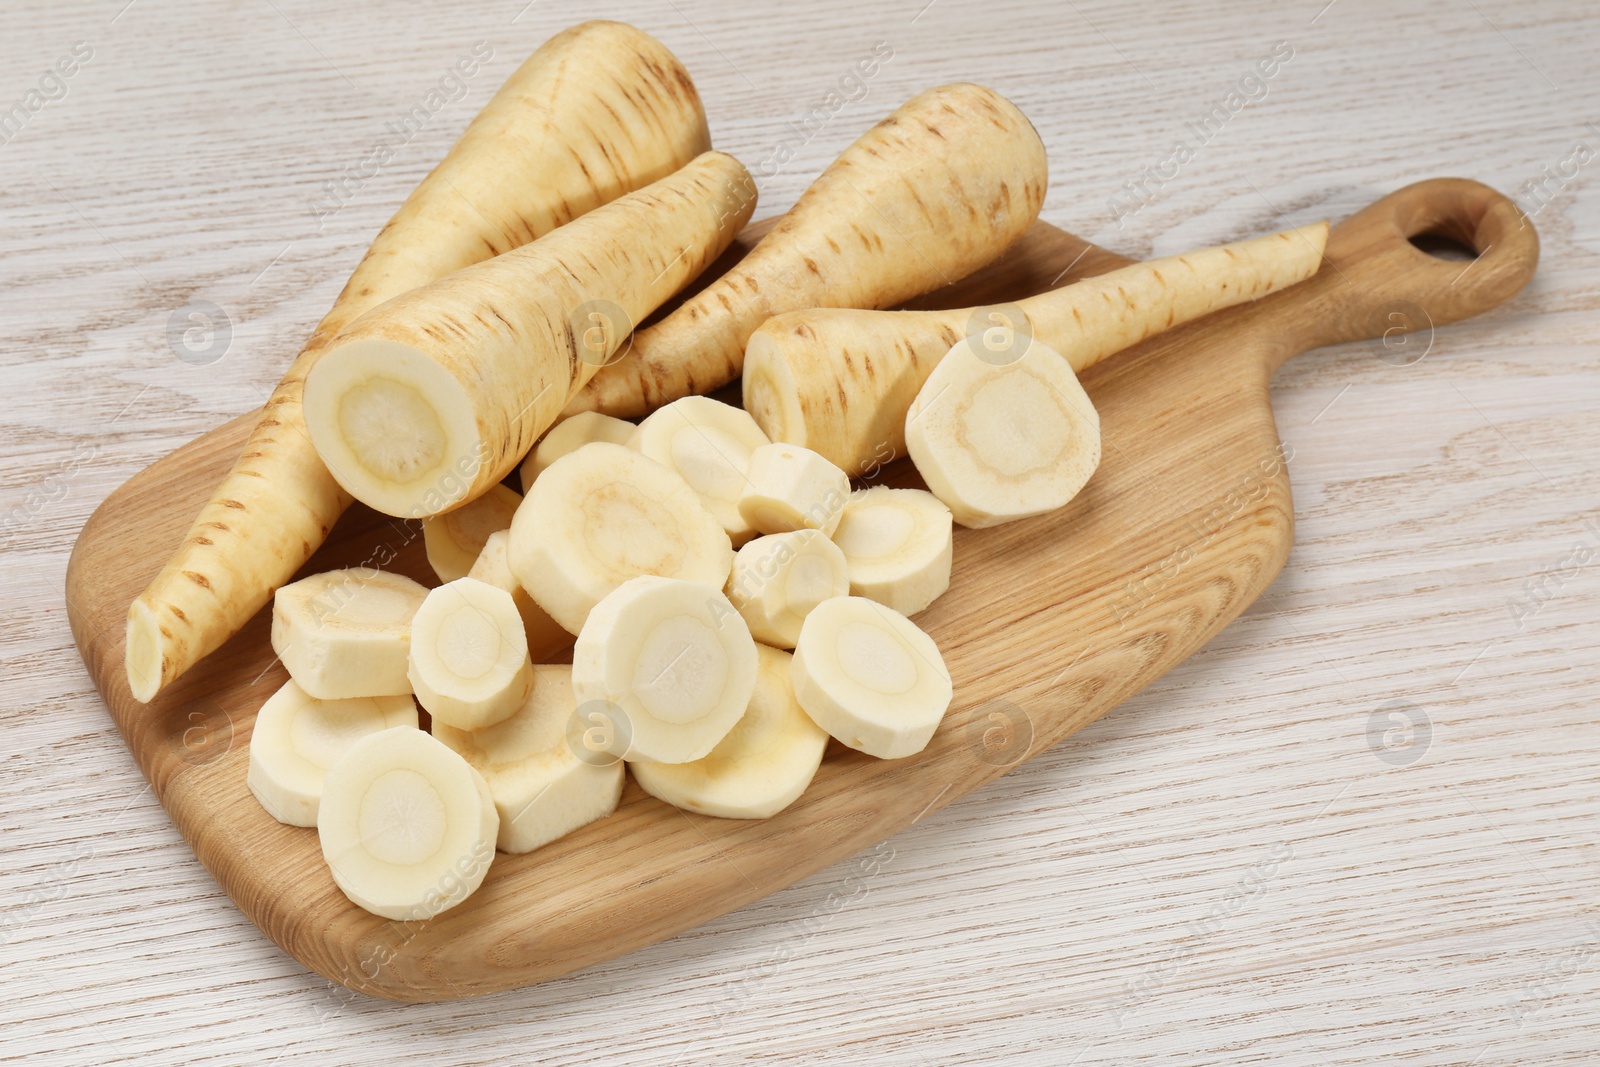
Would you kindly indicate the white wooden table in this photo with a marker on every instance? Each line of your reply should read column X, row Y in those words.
column 1263, row 859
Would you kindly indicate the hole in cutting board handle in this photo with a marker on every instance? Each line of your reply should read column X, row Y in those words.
column 1443, row 246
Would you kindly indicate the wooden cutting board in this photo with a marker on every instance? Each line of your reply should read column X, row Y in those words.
column 1048, row 624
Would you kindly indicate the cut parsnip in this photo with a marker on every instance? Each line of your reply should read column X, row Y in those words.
column 675, row 661
column 602, row 515
column 779, row 578
column 1003, row 441
column 455, row 539
column 897, row 545
column 431, row 398
column 469, row 655
column 547, row 148
column 406, row 825
column 569, row 435
column 546, row 637
column 709, row 443
column 347, row 633
column 841, row 381
column 541, row 788
column 760, row 768
column 296, row 738
column 866, row 674
column 792, row 488
column 933, row 192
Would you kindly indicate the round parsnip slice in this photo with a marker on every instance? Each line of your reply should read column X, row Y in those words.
column 492, row 567
column 866, row 674
column 671, row 661
column 296, row 738
column 1004, row 440
column 454, row 539
column 792, row 488
column 760, row 768
column 541, row 788
column 347, row 633
column 897, row 545
column 602, row 515
column 569, row 435
column 709, row 443
column 777, row 579
column 406, row 825
column 469, row 655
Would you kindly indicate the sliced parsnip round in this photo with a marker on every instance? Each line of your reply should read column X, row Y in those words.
column 454, row 539
column 569, row 435
column 867, row 675
column 999, row 441
column 760, row 768
column 602, row 515
column 406, row 825
column 541, row 788
column 347, row 633
column 897, row 545
column 469, row 655
column 675, row 661
column 792, row 488
column 778, row 578
column 493, row 567
column 709, row 443
column 297, row 737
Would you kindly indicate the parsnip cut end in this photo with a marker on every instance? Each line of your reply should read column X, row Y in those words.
column 770, row 395
column 541, row 789
column 792, row 488
column 709, row 444
column 676, row 661
column 347, row 633
column 568, row 436
column 898, row 545
column 297, row 737
column 469, row 662
column 395, row 429
column 454, row 540
column 142, row 654
column 1000, row 442
column 762, row 765
column 779, row 578
column 406, row 825
column 546, row 637
column 871, row 678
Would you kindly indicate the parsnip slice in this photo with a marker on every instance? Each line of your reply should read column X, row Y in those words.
column 347, row 633
column 454, row 540
column 897, row 545
column 792, row 488
column 709, row 443
column 569, row 435
column 469, row 661
column 546, row 637
column 777, row 579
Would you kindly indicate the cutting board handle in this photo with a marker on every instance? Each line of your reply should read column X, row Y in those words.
column 1374, row 283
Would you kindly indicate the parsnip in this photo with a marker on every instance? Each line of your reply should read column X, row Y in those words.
column 546, row 637
column 778, row 579
column 435, row 396
column 792, row 488
column 897, row 545
column 931, row 193
column 599, row 110
column 469, row 662
column 709, row 443
column 455, row 539
column 347, row 633
column 840, row 381
column 569, row 435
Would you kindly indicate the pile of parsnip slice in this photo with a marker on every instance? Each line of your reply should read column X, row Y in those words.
column 729, row 600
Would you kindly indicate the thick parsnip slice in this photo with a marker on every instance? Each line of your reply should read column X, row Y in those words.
column 347, row 633
column 760, row 768
column 840, row 381
column 673, row 664
column 546, row 637
column 406, row 825
column 541, row 788
column 297, row 737
column 779, row 578
column 940, row 187
column 898, row 545
column 605, row 514
column 433, row 397
column 709, row 443
column 569, row 435
column 548, row 147
column 455, row 539
column 469, row 661
column 792, row 488
column 866, row 674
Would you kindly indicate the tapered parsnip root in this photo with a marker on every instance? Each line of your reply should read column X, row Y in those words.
column 840, row 381
column 435, row 396
column 598, row 111
column 933, row 192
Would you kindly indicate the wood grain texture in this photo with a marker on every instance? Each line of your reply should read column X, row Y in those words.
column 1433, row 911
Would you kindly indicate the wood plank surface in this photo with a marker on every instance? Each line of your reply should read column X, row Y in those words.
column 1222, row 871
